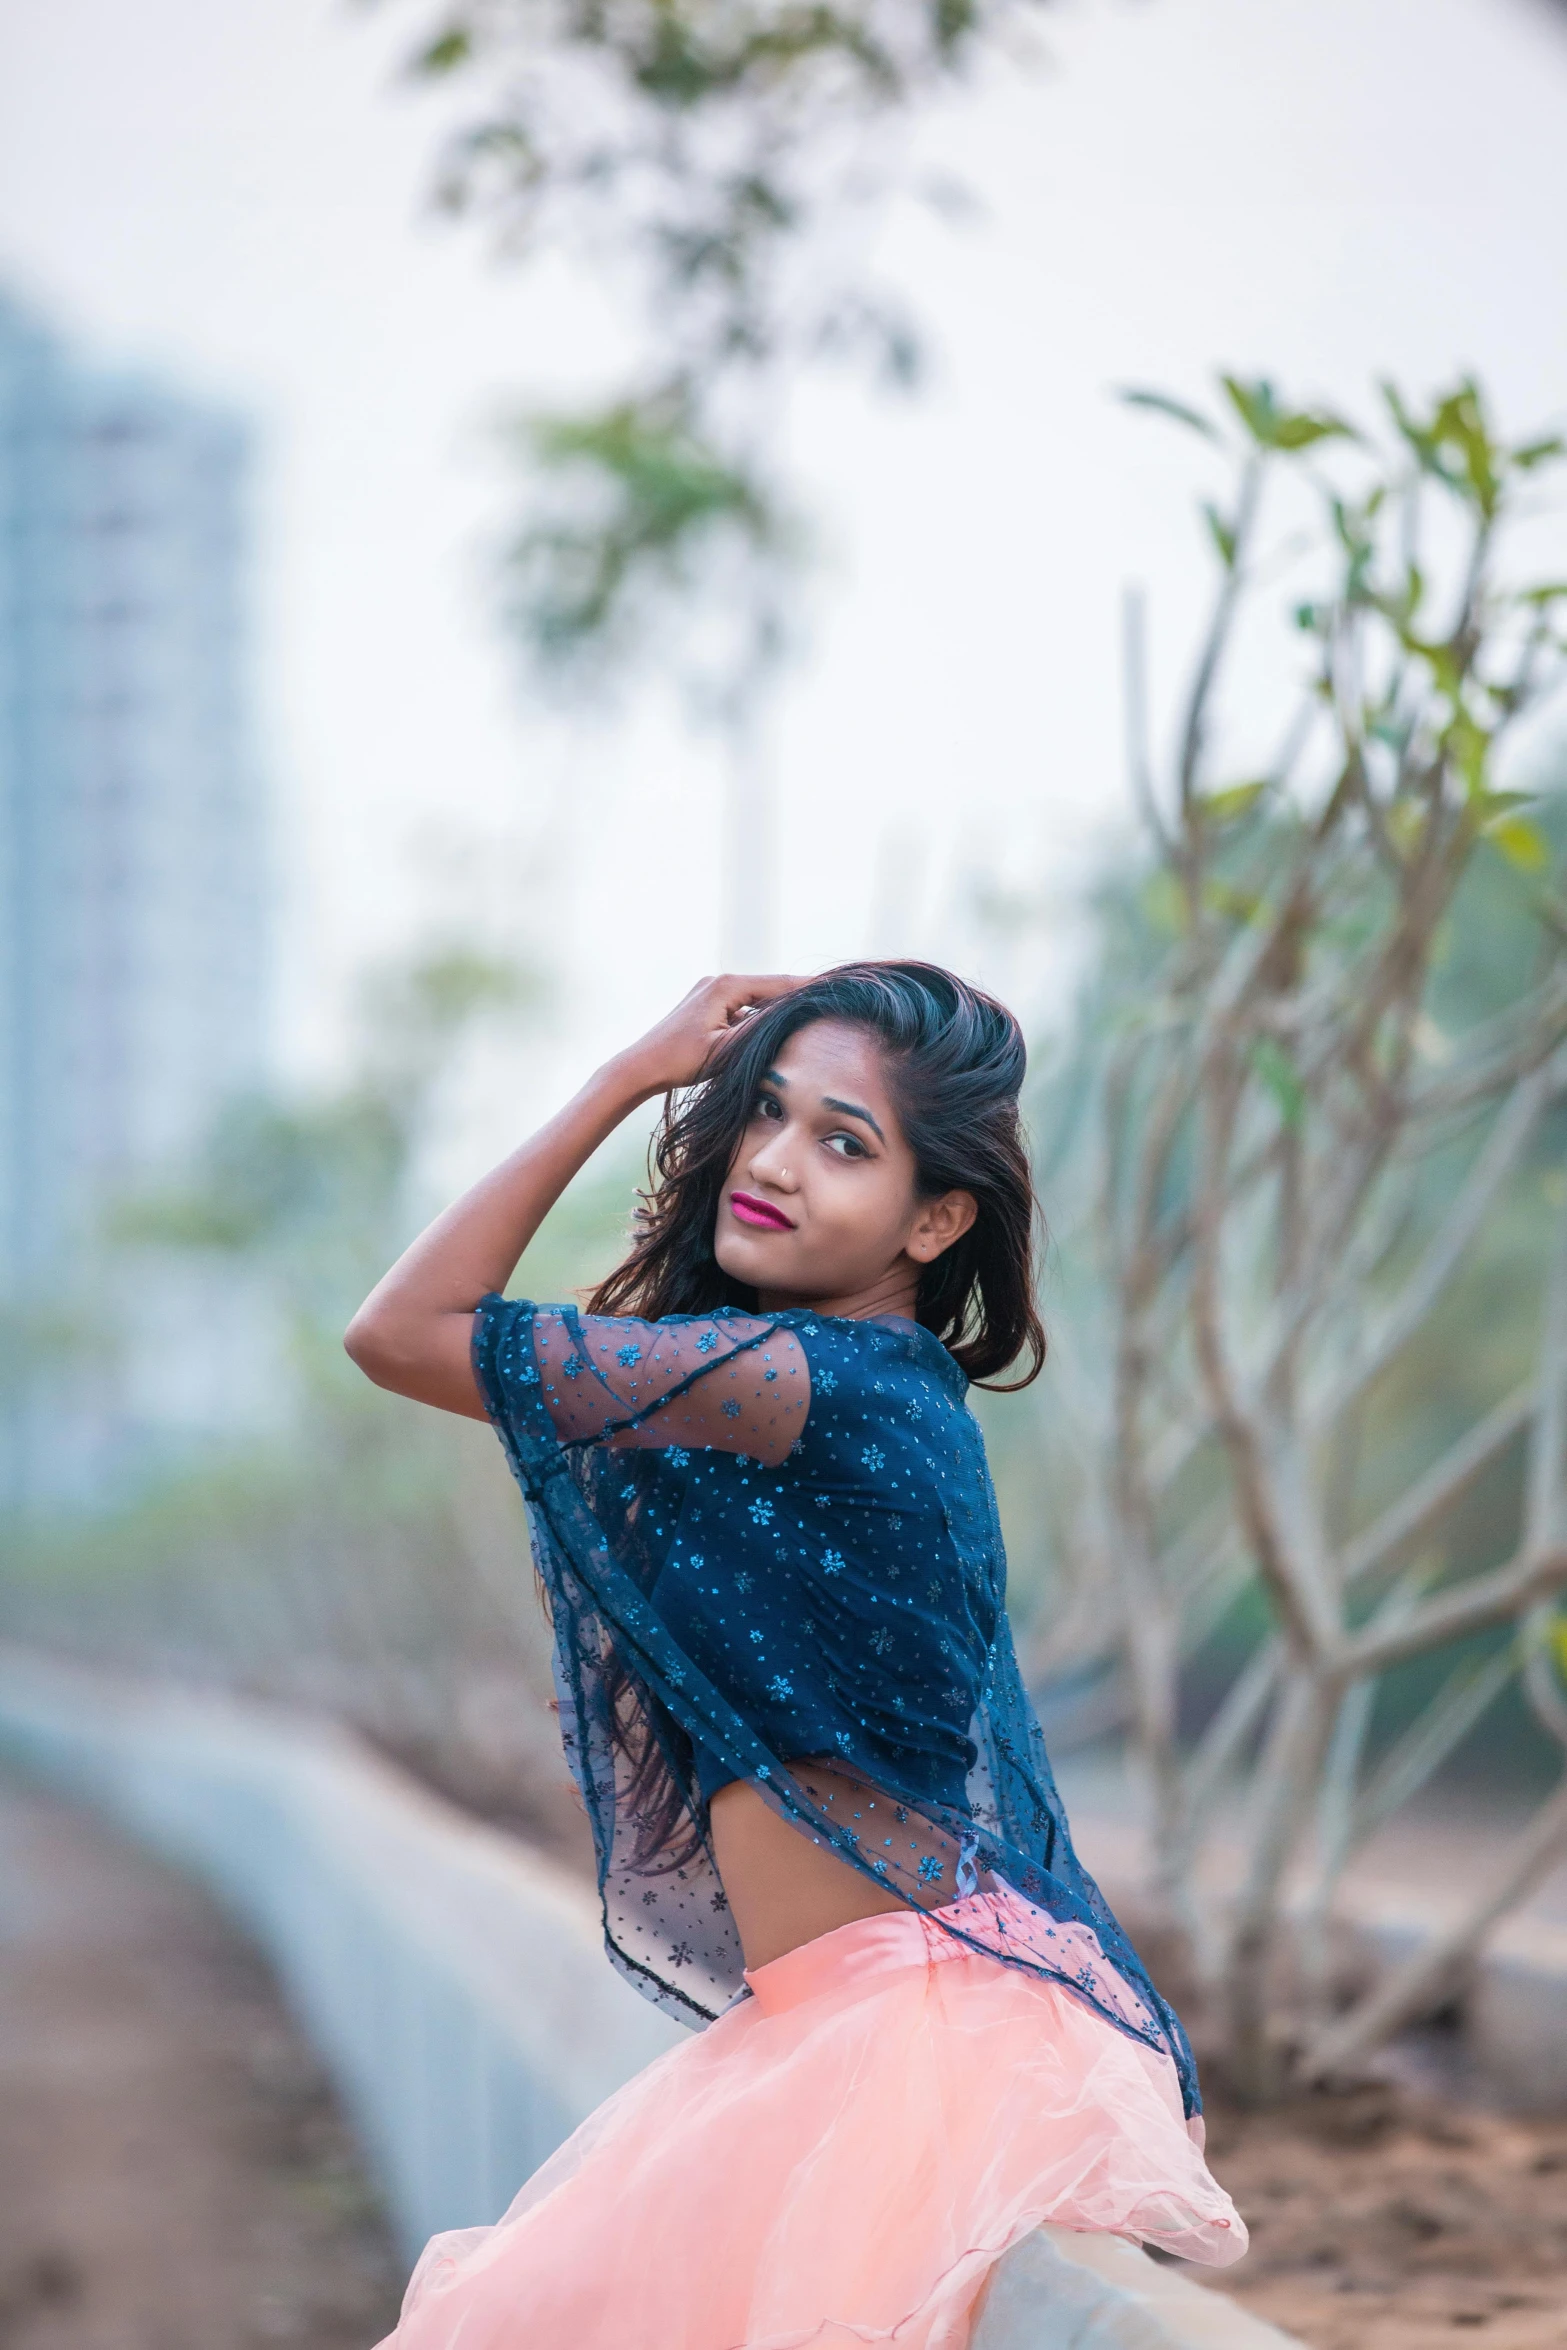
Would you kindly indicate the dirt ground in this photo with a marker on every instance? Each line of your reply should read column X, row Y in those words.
column 173, row 2174
column 1384, row 2220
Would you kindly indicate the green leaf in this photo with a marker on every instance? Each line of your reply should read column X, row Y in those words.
column 1223, row 807
column 1272, row 1064
column 1301, row 431
column 1164, row 904
column 1239, row 905
column 1412, row 595
column 1416, row 435
column 635, row 510
column 1459, row 426
column 1162, row 404
column 1254, row 404
column 1222, row 535
column 1550, row 592
column 1273, row 427
column 1454, row 444
column 1440, row 655
column 1468, row 745
column 446, row 52
column 1535, row 453
column 1521, row 842
column 1556, row 1642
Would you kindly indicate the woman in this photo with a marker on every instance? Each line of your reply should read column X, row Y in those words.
column 821, row 1805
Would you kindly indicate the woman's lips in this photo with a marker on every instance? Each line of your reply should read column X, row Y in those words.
column 760, row 1212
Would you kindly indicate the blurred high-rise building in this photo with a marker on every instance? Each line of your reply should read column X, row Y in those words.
column 133, row 897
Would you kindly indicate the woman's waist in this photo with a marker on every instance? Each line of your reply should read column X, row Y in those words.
column 830, row 1849
column 859, row 1954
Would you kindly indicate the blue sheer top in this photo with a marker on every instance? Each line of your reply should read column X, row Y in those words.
column 771, row 1550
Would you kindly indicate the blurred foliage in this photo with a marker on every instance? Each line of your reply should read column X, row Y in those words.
column 314, row 1196
column 1502, row 931
column 1307, row 1165
column 1478, row 1343
column 371, row 1557
column 717, row 162
column 637, row 521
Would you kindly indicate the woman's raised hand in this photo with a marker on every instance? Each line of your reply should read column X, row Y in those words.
column 678, row 1049
column 414, row 1331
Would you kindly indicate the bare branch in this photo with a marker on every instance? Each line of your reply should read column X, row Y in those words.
column 1134, row 695
column 1499, row 1055
column 1276, row 1511
column 1341, row 1770
column 1268, row 1176
column 1219, row 626
column 1297, row 734
column 1503, row 1148
column 1458, row 1705
column 1243, row 1706
column 1543, row 1491
column 1335, row 1830
column 1427, row 1979
column 1540, row 1566
column 1286, row 1784
column 1433, row 1494
column 1475, row 1606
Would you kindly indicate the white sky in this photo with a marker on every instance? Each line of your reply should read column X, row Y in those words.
column 232, row 191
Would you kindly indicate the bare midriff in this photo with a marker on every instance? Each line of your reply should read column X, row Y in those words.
column 784, row 1888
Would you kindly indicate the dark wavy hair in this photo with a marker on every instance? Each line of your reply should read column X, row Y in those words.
column 955, row 1060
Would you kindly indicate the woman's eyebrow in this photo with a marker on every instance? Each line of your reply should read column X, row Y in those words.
column 853, row 1110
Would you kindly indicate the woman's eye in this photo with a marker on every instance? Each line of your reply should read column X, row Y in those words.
column 847, row 1146
column 768, row 1106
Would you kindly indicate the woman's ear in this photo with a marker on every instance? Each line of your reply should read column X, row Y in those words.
column 938, row 1224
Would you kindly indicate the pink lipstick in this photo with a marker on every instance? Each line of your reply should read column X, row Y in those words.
column 748, row 1209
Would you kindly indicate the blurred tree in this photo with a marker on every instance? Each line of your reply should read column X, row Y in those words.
column 314, row 1195
column 717, row 160
column 1301, row 1149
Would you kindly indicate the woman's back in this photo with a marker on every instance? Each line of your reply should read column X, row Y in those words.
column 807, row 1502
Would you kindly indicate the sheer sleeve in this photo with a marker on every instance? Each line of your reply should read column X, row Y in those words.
column 733, row 1382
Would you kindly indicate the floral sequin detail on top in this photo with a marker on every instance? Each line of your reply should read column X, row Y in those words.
column 774, row 1538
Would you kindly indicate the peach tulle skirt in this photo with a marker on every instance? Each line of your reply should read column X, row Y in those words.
column 837, row 2161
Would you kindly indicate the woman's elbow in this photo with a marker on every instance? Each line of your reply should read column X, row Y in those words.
column 421, row 1356
column 370, row 1345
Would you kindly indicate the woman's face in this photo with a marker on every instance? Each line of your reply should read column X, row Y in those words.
column 820, row 1205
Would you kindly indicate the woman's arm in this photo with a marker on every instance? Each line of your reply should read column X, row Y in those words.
column 413, row 1332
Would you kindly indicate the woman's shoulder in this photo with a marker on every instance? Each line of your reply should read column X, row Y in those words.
column 873, row 1353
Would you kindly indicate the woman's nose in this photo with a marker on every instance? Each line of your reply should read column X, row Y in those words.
column 772, row 1158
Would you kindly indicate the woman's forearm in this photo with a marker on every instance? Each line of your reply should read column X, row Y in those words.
column 412, row 1332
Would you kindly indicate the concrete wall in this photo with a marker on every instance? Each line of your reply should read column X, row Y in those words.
column 454, row 1984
